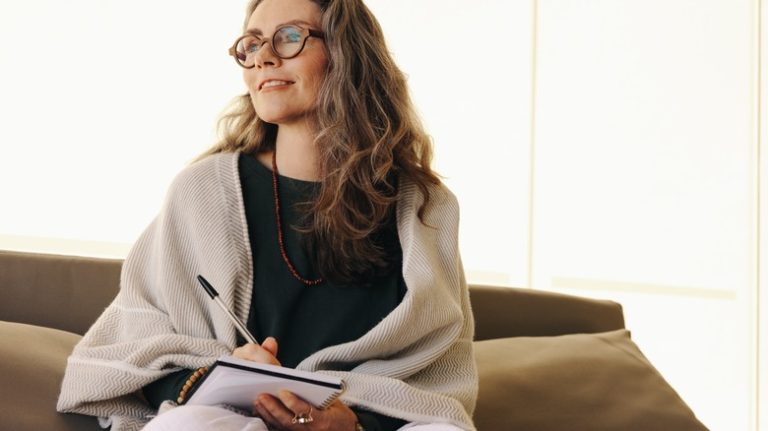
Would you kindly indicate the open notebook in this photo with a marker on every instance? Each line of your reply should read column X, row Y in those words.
column 237, row 382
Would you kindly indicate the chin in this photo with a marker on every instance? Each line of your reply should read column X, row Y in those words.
column 277, row 120
column 281, row 114
column 268, row 115
column 280, row 117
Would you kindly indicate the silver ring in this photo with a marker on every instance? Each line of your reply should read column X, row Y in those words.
column 303, row 418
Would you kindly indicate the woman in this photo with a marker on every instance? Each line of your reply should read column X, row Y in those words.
column 318, row 219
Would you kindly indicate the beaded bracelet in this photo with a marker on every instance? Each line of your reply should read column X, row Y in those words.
column 200, row 372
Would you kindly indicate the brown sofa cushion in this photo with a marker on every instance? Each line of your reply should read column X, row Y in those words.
column 32, row 361
column 590, row 382
column 594, row 382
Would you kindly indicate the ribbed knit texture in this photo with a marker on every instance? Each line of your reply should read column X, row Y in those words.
column 416, row 364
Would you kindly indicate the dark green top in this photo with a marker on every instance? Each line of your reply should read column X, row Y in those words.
column 303, row 319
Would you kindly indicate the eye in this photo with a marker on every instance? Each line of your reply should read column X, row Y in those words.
column 293, row 37
column 249, row 45
column 288, row 34
column 252, row 45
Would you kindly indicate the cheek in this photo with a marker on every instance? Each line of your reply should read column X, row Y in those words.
column 318, row 72
column 249, row 78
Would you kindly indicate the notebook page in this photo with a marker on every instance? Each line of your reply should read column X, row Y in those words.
column 238, row 382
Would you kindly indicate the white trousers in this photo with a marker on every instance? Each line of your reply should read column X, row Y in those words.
column 206, row 418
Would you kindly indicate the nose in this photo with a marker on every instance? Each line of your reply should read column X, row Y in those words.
column 265, row 56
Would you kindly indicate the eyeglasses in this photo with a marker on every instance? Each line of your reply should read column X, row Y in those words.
column 287, row 42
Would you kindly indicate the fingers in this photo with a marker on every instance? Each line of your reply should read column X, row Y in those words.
column 270, row 344
column 256, row 353
column 293, row 403
column 280, row 412
column 265, row 414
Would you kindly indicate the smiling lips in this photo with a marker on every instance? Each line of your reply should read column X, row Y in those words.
column 273, row 83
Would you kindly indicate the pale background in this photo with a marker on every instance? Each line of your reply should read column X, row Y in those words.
column 606, row 148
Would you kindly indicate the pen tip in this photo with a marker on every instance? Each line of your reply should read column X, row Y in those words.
column 207, row 286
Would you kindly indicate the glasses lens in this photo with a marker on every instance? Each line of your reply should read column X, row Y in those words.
column 288, row 41
column 246, row 48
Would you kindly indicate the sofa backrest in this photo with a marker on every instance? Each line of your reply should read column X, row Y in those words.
column 502, row 312
column 69, row 293
column 62, row 292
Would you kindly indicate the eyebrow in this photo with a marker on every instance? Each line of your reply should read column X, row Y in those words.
column 257, row 32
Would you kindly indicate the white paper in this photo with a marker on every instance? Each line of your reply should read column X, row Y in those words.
column 237, row 387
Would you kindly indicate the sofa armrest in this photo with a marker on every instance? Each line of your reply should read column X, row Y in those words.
column 502, row 312
column 62, row 292
column 31, row 370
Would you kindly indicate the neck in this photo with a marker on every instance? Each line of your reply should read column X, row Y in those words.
column 296, row 152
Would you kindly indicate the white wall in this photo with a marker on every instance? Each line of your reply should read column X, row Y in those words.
column 645, row 178
column 470, row 74
column 760, row 305
column 98, row 116
column 606, row 148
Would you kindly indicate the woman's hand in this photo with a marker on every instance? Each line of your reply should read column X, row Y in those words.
column 266, row 353
column 279, row 412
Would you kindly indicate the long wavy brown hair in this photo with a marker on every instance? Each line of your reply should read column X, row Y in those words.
column 369, row 138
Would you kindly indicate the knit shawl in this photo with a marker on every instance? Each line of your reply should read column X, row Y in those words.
column 416, row 364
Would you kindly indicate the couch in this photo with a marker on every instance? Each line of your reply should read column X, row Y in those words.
column 546, row 361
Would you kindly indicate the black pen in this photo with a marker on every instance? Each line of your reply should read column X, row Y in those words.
column 215, row 296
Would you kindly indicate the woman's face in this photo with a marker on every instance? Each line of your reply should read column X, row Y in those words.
column 292, row 85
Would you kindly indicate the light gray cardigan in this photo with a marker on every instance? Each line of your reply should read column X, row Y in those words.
column 416, row 364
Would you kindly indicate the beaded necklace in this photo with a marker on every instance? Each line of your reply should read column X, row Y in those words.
column 280, row 229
